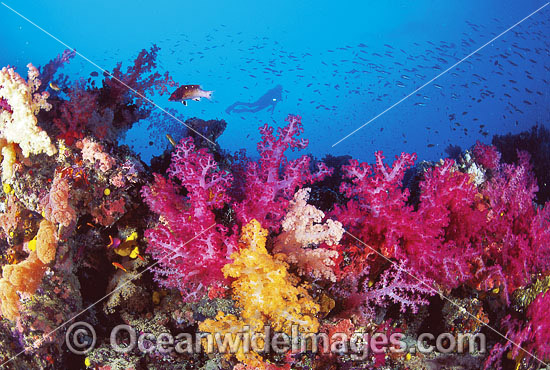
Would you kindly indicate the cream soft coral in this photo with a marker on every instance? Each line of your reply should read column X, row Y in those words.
column 19, row 124
column 302, row 230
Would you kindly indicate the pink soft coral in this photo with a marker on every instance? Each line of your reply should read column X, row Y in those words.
column 94, row 152
column 444, row 243
column 189, row 244
column 457, row 233
column 270, row 183
column 396, row 285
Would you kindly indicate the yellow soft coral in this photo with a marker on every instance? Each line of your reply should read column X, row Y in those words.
column 228, row 332
column 266, row 293
column 19, row 125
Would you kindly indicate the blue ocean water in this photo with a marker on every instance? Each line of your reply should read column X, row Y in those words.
column 340, row 64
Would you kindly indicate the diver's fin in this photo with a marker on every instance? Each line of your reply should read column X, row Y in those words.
column 184, row 102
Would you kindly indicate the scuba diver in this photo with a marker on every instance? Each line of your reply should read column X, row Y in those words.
column 269, row 99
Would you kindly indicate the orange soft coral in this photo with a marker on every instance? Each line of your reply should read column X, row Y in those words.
column 264, row 288
column 9, row 300
column 302, row 230
column 46, row 243
column 24, row 277
column 57, row 208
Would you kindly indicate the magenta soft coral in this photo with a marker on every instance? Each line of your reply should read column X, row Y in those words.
column 486, row 155
column 492, row 236
column 532, row 336
column 189, row 244
column 518, row 231
column 446, row 242
column 377, row 212
column 270, row 183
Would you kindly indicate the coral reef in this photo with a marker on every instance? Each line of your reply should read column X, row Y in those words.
column 207, row 242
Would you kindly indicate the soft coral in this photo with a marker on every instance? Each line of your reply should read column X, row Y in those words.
column 270, row 183
column 189, row 244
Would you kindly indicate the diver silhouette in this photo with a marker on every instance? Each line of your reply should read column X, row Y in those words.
column 269, row 99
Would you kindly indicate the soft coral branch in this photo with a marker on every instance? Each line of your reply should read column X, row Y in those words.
column 270, row 183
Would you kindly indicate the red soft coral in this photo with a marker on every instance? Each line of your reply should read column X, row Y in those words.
column 188, row 243
column 270, row 183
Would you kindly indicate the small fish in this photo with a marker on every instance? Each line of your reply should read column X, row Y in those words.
column 94, row 74
column 118, row 265
column 171, row 140
column 189, row 92
column 54, row 86
column 113, row 243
